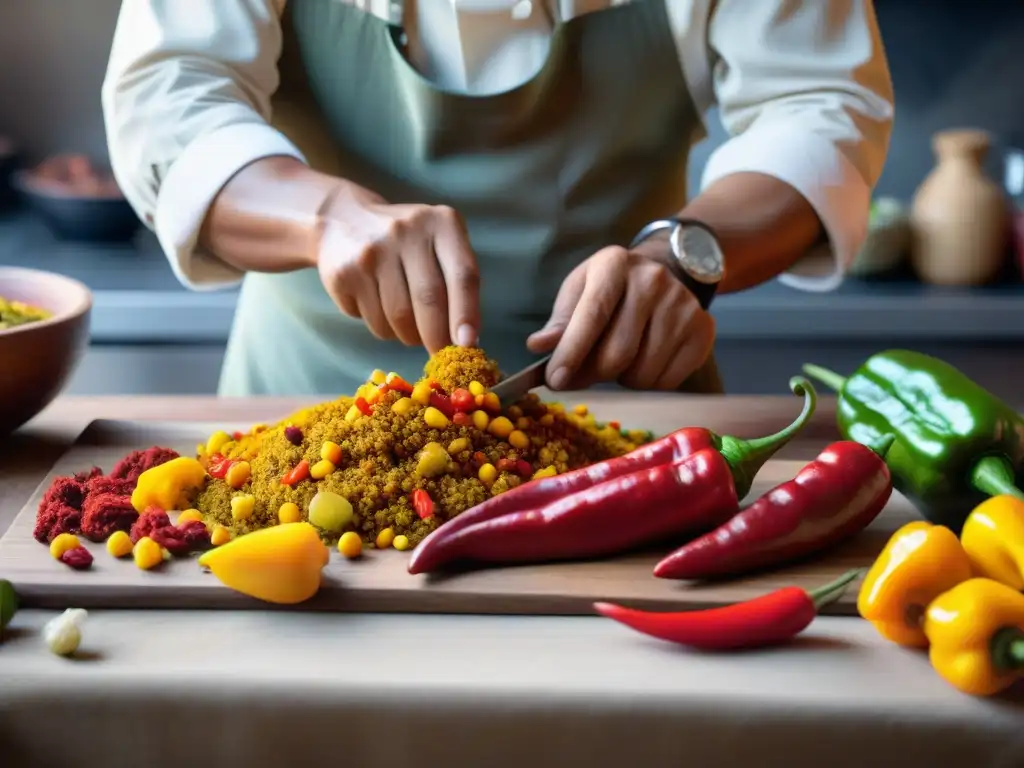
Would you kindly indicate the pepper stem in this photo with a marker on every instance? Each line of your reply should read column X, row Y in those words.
column 1007, row 649
column 830, row 379
column 994, row 475
column 746, row 457
column 832, row 591
column 883, row 445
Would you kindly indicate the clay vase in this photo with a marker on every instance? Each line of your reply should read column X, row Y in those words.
column 959, row 217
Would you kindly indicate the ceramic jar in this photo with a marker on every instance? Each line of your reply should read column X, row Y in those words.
column 960, row 217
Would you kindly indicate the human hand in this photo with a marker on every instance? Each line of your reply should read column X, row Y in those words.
column 407, row 270
column 623, row 316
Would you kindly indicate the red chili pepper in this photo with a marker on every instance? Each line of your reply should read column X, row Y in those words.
column 219, row 469
column 462, row 420
column 396, row 383
column 463, row 400
column 627, row 512
column 506, row 465
column 523, row 467
column 442, row 403
column 615, row 425
column 437, row 387
column 237, row 436
column 423, row 504
column 666, row 450
column 298, row 473
column 766, row 620
column 364, row 407
column 831, row 499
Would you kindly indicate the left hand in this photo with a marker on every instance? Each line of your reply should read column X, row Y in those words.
column 623, row 316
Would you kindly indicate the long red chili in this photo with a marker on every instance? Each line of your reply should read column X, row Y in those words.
column 627, row 512
column 766, row 620
column 831, row 499
column 666, row 450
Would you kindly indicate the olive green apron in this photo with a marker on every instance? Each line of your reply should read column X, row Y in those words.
column 581, row 156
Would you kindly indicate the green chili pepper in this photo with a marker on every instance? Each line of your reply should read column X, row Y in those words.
column 956, row 443
column 8, row 605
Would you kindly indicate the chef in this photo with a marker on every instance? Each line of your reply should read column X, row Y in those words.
column 384, row 178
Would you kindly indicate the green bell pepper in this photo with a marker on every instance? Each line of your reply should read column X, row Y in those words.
column 956, row 443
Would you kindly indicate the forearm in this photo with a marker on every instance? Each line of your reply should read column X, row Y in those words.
column 764, row 226
column 265, row 217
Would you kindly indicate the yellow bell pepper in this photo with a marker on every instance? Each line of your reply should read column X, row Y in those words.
column 278, row 565
column 993, row 537
column 919, row 563
column 976, row 631
column 168, row 485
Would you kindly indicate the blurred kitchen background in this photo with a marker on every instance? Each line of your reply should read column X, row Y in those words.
column 955, row 65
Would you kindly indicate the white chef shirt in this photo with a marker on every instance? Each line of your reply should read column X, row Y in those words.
column 802, row 87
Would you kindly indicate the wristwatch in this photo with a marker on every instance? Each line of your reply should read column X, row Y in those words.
column 697, row 260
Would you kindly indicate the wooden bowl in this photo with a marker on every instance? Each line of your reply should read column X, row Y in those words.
column 37, row 359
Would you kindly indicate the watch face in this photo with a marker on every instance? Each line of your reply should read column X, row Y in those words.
column 698, row 253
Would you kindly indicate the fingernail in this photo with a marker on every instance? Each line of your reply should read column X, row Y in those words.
column 465, row 336
column 560, row 378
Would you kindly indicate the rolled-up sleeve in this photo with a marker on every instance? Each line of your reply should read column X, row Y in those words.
column 186, row 102
column 805, row 91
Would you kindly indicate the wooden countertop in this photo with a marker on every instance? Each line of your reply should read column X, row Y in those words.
column 27, row 455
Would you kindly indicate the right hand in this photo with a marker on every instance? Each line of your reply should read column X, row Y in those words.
column 407, row 270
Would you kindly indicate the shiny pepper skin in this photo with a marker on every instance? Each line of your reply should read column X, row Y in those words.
column 168, row 485
column 280, row 565
column 993, row 537
column 976, row 636
column 919, row 563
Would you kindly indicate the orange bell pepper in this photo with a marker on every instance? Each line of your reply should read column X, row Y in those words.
column 993, row 537
column 976, row 631
column 919, row 563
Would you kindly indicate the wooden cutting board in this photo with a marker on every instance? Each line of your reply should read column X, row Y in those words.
column 378, row 582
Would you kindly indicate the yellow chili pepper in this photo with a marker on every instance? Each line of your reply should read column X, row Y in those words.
column 976, row 631
column 167, row 486
column 919, row 563
column 993, row 537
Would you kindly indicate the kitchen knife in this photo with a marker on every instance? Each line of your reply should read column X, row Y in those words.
column 512, row 388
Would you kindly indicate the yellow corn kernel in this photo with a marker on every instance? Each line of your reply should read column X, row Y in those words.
column 580, row 410
column 548, row 471
column 321, row 469
column 556, row 407
column 500, row 427
column 459, row 445
column 257, row 428
column 119, row 544
column 433, row 460
column 403, row 406
column 421, row 392
column 373, row 396
column 546, row 420
column 491, row 401
column 401, row 543
column 147, row 553
column 289, row 513
column 242, row 507
column 238, row 474
column 523, row 423
column 62, row 543
column 487, row 474
column 352, row 414
column 480, row 420
column 350, row 545
column 331, row 452
column 220, row 536
column 476, row 388
column 189, row 515
column 435, row 419
column 385, row 538
column 217, row 441
column 378, row 377
column 519, row 440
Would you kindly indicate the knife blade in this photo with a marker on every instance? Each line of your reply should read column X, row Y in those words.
column 512, row 388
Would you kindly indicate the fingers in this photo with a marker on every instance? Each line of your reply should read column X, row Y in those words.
column 428, row 293
column 693, row 353
column 667, row 329
column 461, row 276
column 604, row 287
column 622, row 340
column 547, row 338
column 372, row 312
column 397, row 303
